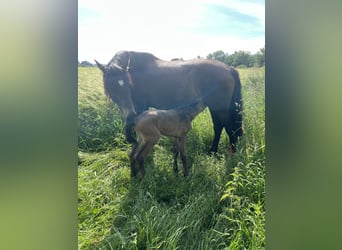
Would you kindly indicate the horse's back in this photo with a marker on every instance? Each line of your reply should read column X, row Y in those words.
column 169, row 84
column 214, row 83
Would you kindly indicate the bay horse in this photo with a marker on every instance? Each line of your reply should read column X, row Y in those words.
column 136, row 81
column 152, row 124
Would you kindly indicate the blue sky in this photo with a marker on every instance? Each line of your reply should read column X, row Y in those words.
column 169, row 29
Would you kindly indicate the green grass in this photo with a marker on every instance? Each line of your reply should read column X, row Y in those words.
column 100, row 126
column 220, row 206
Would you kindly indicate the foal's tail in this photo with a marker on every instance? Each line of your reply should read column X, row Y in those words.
column 236, row 104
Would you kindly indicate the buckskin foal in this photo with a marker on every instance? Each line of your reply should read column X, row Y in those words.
column 151, row 124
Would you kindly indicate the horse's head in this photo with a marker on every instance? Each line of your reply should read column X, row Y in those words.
column 118, row 84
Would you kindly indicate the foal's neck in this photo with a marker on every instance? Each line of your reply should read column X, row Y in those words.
column 191, row 111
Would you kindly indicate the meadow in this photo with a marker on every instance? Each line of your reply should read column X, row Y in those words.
column 220, row 206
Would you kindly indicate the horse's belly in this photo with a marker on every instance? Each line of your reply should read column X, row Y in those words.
column 168, row 99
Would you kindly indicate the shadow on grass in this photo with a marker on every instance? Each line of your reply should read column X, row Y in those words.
column 165, row 210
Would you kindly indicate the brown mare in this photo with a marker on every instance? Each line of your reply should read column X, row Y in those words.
column 136, row 81
column 151, row 124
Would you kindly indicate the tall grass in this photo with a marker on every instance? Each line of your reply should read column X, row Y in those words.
column 220, row 206
column 100, row 126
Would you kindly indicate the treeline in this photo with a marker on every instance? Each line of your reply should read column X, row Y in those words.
column 240, row 58
column 85, row 64
column 237, row 59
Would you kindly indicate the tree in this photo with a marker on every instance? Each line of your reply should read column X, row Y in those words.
column 259, row 58
column 242, row 58
column 217, row 55
column 85, row 64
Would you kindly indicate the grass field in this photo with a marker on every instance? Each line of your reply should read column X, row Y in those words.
column 220, row 206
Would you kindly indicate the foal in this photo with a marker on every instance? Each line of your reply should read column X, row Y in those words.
column 151, row 124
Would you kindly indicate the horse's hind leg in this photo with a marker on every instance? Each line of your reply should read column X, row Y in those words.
column 223, row 119
column 233, row 135
column 233, row 125
column 218, row 126
column 232, row 139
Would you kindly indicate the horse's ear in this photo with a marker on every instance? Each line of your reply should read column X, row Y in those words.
column 101, row 67
column 128, row 64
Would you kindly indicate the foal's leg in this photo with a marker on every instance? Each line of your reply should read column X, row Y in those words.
column 180, row 146
column 141, row 156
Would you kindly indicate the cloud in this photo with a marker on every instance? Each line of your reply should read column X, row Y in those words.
column 168, row 29
column 240, row 17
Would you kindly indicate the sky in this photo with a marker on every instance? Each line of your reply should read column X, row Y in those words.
column 169, row 28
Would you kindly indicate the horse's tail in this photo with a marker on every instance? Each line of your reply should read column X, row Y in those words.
column 236, row 104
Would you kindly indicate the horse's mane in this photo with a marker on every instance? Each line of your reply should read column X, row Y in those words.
column 133, row 60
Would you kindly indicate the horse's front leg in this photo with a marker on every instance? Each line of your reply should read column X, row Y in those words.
column 180, row 145
column 175, row 155
column 129, row 129
column 132, row 159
